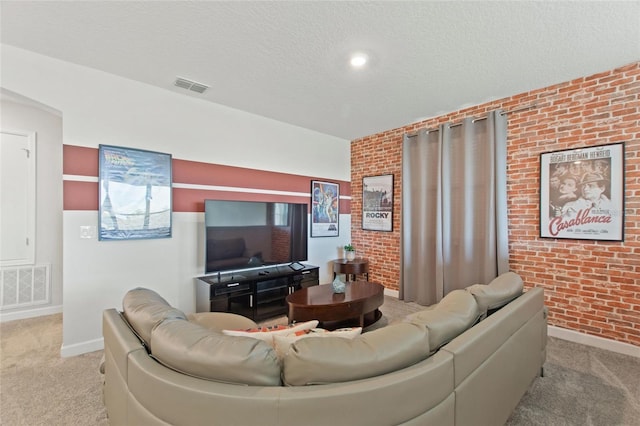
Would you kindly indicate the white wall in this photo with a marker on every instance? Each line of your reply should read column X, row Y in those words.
column 21, row 114
column 99, row 108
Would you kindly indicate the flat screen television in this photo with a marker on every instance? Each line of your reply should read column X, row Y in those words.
column 249, row 234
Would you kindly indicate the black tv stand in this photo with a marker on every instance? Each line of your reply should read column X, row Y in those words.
column 227, row 278
column 257, row 294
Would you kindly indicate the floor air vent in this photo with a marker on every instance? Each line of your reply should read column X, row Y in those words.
column 22, row 286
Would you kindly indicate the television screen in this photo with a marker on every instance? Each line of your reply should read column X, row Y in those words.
column 249, row 234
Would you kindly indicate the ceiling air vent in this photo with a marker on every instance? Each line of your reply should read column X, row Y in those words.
column 190, row 85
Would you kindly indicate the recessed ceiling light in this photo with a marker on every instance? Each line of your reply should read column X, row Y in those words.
column 358, row 60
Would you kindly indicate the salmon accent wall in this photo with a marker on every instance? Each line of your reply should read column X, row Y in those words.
column 79, row 160
column 590, row 286
column 80, row 195
column 193, row 182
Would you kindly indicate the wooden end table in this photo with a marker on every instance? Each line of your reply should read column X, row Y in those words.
column 359, row 302
column 351, row 268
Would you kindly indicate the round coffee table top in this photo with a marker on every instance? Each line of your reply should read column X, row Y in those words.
column 360, row 300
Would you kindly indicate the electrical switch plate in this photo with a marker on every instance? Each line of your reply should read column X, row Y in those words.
column 87, row 232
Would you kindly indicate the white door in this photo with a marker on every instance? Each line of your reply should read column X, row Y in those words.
column 17, row 197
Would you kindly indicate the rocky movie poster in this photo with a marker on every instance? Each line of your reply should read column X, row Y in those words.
column 582, row 193
column 377, row 203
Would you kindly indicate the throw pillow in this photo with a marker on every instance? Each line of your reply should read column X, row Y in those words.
column 282, row 343
column 267, row 333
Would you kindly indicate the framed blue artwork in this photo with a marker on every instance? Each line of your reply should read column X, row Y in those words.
column 135, row 194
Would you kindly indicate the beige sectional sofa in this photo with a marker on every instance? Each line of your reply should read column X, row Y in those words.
column 450, row 364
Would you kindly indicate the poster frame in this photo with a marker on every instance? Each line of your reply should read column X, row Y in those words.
column 377, row 203
column 598, row 169
column 129, row 213
column 325, row 209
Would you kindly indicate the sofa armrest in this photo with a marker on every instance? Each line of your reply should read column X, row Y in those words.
column 219, row 321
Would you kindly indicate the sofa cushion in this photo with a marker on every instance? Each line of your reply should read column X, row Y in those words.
column 144, row 309
column 282, row 343
column 200, row 352
column 454, row 314
column 336, row 359
column 267, row 333
column 502, row 290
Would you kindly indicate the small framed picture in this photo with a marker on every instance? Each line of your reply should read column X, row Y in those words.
column 377, row 203
column 582, row 193
column 135, row 194
column 325, row 209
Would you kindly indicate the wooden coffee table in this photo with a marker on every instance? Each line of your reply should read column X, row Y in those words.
column 358, row 304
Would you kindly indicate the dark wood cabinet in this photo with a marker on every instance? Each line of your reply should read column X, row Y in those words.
column 256, row 294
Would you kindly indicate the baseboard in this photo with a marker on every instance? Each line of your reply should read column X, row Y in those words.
column 393, row 293
column 82, row 348
column 30, row 313
column 595, row 341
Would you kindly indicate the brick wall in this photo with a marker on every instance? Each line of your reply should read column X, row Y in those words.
column 590, row 286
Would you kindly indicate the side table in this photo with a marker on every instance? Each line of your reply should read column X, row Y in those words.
column 351, row 268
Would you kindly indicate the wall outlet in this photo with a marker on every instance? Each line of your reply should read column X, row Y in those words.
column 87, row 232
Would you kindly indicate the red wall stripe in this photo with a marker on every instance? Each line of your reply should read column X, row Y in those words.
column 345, row 206
column 82, row 161
column 79, row 160
column 80, row 195
column 193, row 172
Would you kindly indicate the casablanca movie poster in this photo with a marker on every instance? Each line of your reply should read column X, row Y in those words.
column 377, row 203
column 582, row 193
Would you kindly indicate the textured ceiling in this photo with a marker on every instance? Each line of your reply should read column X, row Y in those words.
column 289, row 60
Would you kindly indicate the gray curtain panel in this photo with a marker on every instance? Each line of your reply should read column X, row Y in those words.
column 454, row 207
